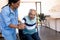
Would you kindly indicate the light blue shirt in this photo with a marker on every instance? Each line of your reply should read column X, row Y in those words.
column 30, row 25
column 0, row 23
column 9, row 17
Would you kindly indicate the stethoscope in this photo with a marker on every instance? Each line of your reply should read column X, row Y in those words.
column 12, row 12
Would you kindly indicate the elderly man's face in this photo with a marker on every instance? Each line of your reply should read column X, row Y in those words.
column 32, row 14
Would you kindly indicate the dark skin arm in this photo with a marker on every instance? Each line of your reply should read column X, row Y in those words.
column 19, row 26
column 13, row 26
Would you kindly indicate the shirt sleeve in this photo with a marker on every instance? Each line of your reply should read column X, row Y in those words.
column 6, row 18
column 23, row 20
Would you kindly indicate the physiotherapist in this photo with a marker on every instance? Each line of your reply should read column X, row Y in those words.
column 10, row 20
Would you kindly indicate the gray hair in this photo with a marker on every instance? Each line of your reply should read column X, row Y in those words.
column 32, row 10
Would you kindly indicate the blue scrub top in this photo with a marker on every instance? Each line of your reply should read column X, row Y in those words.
column 0, row 23
column 8, row 17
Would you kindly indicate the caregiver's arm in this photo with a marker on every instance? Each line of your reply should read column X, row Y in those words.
column 13, row 26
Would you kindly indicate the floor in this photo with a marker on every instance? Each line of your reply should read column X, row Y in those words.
column 47, row 34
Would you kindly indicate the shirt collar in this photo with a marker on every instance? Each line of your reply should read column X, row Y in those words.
column 32, row 19
column 12, row 10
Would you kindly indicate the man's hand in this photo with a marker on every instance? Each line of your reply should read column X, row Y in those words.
column 36, row 25
column 21, row 26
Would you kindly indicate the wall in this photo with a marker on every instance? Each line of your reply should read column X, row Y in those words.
column 52, row 8
column 2, row 3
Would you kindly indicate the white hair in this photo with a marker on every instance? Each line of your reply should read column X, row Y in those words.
column 32, row 10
